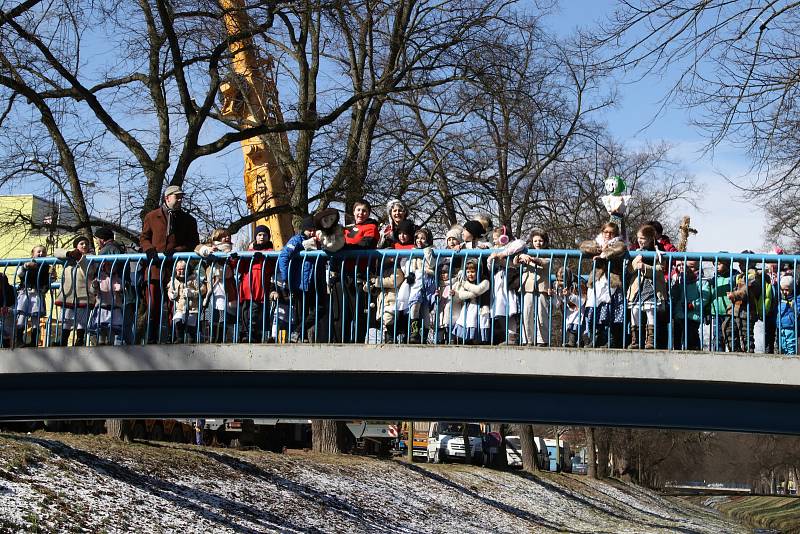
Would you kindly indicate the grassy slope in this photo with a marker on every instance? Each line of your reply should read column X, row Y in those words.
column 779, row 513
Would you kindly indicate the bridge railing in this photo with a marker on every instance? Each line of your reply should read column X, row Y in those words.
column 676, row 301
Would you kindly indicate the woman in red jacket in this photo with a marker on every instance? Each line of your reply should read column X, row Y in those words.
column 255, row 287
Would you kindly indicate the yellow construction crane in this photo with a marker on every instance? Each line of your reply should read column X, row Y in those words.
column 250, row 97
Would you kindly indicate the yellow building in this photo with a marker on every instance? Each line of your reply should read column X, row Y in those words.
column 29, row 220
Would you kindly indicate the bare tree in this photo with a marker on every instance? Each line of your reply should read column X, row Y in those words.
column 734, row 64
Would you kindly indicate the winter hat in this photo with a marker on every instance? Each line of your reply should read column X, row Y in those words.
column 787, row 281
column 454, row 232
column 405, row 226
column 323, row 214
column 262, row 228
column 475, row 229
column 307, row 223
column 104, row 233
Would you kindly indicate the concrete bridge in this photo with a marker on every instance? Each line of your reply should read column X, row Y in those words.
column 693, row 390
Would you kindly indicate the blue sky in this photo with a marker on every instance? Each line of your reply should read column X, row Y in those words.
column 724, row 220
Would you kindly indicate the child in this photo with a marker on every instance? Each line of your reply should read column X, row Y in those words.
column 691, row 300
column 255, row 286
column 107, row 315
column 605, row 303
column 646, row 290
column 575, row 301
column 420, row 277
column 722, row 328
column 404, row 240
column 472, row 324
column 185, row 292
column 221, row 296
column 535, row 289
column 385, row 286
column 34, row 281
column 446, row 309
column 744, row 308
column 506, row 277
column 788, row 307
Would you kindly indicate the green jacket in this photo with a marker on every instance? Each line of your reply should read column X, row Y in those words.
column 690, row 299
column 720, row 286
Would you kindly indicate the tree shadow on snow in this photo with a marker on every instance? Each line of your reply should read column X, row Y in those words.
column 189, row 498
column 507, row 508
column 589, row 504
column 367, row 519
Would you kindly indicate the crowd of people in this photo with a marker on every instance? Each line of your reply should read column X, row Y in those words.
column 485, row 286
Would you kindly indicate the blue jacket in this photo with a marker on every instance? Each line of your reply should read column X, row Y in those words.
column 294, row 272
column 787, row 312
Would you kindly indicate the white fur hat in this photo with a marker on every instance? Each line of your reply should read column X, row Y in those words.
column 455, row 232
column 787, row 281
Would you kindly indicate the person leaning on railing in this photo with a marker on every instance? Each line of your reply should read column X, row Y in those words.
column 647, row 290
column 744, row 304
column 255, row 286
column 605, row 301
column 361, row 235
column 34, row 281
column 221, row 296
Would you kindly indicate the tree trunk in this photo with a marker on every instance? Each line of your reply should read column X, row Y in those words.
column 467, row 444
column 501, row 458
column 119, row 428
column 328, row 436
column 591, row 455
column 528, row 445
column 602, row 441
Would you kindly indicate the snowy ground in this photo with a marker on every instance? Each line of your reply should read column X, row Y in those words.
column 58, row 483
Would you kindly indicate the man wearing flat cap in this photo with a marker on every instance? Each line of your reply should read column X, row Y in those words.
column 166, row 229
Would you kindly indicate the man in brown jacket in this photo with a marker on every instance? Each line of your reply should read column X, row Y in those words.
column 166, row 229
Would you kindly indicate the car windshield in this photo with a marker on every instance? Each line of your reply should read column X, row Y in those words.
column 457, row 429
column 513, row 441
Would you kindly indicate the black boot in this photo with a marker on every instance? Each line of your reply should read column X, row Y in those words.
column 19, row 340
column 180, row 332
column 65, row 337
column 80, row 338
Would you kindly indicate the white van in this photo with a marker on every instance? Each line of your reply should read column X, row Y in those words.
column 514, row 452
column 446, row 442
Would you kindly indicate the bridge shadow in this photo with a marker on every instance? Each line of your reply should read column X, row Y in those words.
column 507, row 508
column 194, row 500
column 587, row 502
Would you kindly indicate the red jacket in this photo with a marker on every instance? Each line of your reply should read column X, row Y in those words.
column 256, row 281
column 360, row 237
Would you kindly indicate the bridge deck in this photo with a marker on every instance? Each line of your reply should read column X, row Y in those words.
column 721, row 391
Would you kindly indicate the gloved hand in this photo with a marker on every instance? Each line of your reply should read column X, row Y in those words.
column 234, row 256
column 257, row 256
column 152, row 254
column 411, row 278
